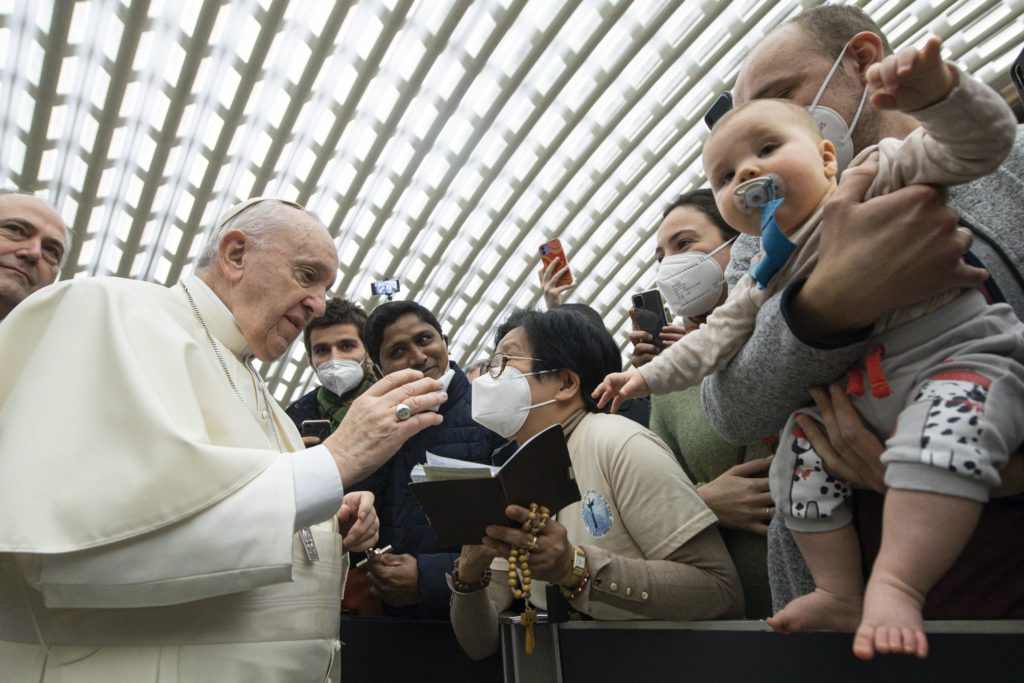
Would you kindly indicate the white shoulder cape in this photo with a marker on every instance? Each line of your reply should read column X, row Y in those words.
column 115, row 417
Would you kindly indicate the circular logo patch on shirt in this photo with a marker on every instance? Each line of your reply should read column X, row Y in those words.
column 597, row 513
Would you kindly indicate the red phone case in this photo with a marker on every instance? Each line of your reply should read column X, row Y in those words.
column 552, row 251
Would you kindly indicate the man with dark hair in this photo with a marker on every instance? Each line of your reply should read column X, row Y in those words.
column 818, row 326
column 335, row 351
column 402, row 335
column 386, row 315
column 33, row 240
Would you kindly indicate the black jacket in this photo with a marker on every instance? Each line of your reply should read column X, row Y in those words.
column 305, row 408
column 402, row 521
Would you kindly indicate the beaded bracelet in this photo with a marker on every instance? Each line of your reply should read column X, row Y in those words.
column 572, row 594
column 485, row 580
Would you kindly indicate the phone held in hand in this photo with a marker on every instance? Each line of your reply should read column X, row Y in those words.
column 385, row 288
column 552, row 251
column 650, row 314
column 720, row 107
column 321, row 429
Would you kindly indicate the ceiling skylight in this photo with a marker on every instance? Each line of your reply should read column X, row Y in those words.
column 440, row 141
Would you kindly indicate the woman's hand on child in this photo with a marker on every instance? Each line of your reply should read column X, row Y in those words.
column 849, row 450
column 911, row 79
column 852, row 452
column 619, row 386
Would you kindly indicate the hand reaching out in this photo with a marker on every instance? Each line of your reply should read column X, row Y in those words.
column 911, row 79
column 619, row 386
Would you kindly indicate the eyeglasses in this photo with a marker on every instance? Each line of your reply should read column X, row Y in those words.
column 496, row 365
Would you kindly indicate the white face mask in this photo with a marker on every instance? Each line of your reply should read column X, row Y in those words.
column 340, row 376
column 691, row 282
column 833, row 127
column 503, row 404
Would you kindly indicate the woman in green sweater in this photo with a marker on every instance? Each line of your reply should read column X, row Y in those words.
column 729, row 478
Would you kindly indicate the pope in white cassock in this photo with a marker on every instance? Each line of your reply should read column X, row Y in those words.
column 159, row 519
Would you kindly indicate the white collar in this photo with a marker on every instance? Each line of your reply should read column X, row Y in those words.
column 218, row 317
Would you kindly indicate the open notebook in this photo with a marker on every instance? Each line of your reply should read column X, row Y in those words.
column 439, row 468
column 462, row 499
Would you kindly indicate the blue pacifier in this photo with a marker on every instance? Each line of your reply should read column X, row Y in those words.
column 765, row 193
column 752, row 195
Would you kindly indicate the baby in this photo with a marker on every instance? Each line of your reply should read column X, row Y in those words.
column 930, row 375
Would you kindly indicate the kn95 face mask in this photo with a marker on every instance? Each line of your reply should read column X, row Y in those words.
column 692, row 282
column 502, row 404
column 832, row 126
column 340, row 376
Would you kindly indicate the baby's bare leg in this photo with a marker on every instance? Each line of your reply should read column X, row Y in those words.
column 835, row 605
column 922, row 535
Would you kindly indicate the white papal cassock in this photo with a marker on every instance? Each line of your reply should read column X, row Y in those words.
column 147, row 516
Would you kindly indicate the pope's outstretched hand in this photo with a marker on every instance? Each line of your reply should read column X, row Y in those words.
column 381, row 420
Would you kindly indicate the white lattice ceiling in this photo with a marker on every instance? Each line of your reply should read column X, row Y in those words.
column 441, row 141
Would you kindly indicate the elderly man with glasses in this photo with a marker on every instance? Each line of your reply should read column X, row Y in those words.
column 159, row 517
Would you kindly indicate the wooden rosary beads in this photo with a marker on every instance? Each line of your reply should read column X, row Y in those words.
column 520, row 558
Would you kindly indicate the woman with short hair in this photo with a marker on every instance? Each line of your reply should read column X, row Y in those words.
column 641, row 544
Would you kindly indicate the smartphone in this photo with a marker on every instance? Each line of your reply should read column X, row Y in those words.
column 552, row 251
column 722, row 104
column 650, row 314
column 1017, row 75
column 318, row 428
column 385, row 288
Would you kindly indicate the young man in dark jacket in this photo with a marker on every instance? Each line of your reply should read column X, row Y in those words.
column 335, row 350
column 411, row 578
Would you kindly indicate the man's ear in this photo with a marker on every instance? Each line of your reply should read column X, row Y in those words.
column 828, row 156
column 867, row 49
column 234, row 245
column 569, row 385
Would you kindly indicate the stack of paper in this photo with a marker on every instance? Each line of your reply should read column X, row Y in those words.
column 440, row 468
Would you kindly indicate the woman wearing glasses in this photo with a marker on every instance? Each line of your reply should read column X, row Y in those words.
column 641, row 544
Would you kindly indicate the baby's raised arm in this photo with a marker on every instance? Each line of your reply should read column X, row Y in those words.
column 967, row 129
